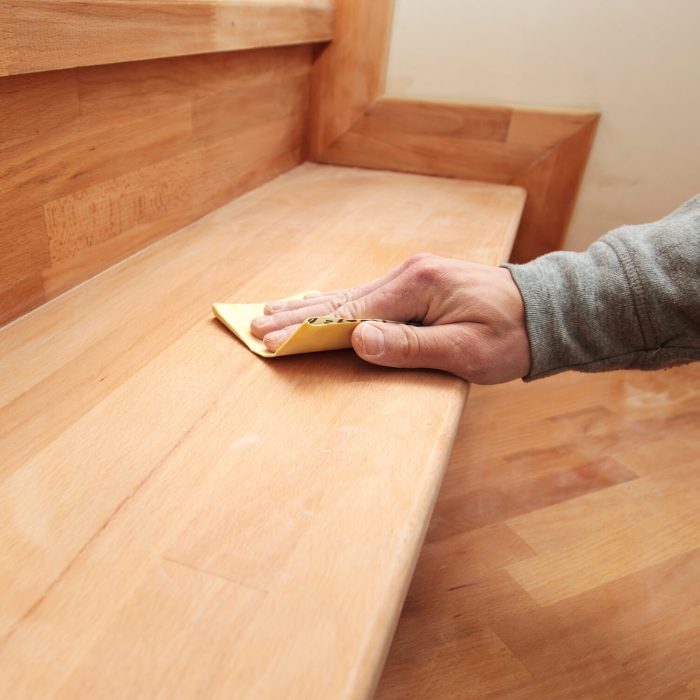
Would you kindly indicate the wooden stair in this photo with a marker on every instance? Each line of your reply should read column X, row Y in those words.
column 183, row 518
column 45, row 35
column 179, row 517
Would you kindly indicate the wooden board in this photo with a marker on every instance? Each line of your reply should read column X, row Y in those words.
column 349, row 73
column 180, row 516
column 351, row 122
column 563, row 555
column 42, row 35
column 543, row 151
column 98, row 162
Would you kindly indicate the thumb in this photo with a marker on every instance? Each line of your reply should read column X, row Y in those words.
column 398, row 345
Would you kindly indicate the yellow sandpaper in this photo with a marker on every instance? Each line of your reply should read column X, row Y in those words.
column 313, row 335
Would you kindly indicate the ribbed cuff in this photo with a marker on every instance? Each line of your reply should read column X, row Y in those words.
column 578, row 309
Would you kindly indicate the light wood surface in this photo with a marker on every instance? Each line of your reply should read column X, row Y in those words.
column 543, row 151
column 348, row 75
column 180, row 517
column 96, row 163
column 351, row 122
column 563, row 557
column 42, row 35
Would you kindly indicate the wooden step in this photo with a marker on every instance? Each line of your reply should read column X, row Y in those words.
column 42, row 35
column 183, row 518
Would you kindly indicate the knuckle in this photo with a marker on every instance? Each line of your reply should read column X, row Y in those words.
column 428, row 270
column 349, row 309
column 333, row 305
column 470, row 356
column 287, row 318
column 418, row 258
column 410, row 343
column 328, row 307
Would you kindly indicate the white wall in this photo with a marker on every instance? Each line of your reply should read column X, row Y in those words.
column 636, row 61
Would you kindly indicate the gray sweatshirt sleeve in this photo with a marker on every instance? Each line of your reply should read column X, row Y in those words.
column 632, row 300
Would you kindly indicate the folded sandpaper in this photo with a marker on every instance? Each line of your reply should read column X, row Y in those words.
column 315, row 334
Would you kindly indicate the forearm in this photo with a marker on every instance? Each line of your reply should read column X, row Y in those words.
column 632, row 300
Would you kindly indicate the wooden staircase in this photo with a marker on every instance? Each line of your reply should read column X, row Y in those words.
column 179, row 517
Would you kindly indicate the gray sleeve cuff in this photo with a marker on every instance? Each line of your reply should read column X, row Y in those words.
column 578, row 310
column 632, row 300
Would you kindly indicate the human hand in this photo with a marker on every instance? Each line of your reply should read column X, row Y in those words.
column 472, row 316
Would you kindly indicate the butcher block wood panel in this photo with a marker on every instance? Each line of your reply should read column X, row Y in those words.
column 181, row 517
column 97, row 162
column 42, row 35
column 563, row 556
column 349, row 73
column 543, row 151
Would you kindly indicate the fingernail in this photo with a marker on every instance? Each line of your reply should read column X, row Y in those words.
column 372, row 339
column 276, row 338
column 273, row 307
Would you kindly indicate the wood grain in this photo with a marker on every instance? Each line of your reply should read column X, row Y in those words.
column 348, row 75
column 552, row 184
column 182, row 517
column 98, row 162
column 114, row 31
column 563, row 555
column 543, row 151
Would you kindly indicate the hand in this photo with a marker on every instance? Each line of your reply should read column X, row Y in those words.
column 472, row 316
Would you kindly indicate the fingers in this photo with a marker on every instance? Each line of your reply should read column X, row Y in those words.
column 452, row 348
column 262, row 325
column 395, row 301
column 392, row 297
column 338, row 297
column 333, row 298
column 275, row 340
